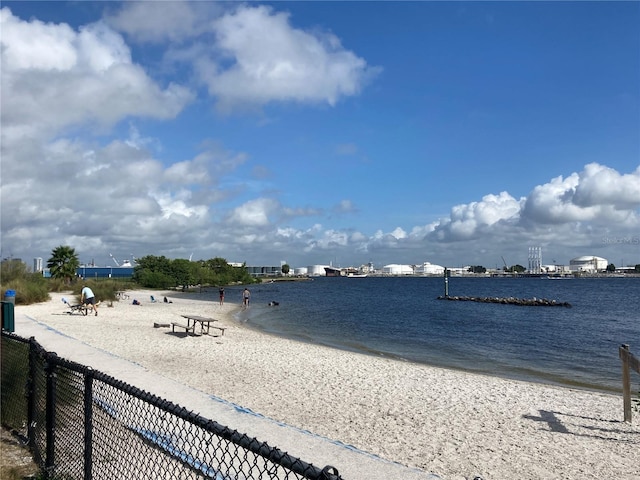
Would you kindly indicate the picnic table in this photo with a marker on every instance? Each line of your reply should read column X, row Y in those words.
column 205, row 324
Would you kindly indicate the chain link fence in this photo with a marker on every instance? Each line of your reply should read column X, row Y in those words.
column 83, row 424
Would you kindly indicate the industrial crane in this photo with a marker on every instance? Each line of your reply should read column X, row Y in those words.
column 115, row 260
column 506, row 269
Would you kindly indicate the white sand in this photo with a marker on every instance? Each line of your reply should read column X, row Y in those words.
column 453, row 424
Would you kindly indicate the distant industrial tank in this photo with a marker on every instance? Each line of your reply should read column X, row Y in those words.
column 588, row 264
column 428, row 268
column 395, row 269
column 316, row 270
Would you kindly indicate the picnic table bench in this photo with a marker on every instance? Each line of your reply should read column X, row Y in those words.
column 187, row 327
column 205, row 324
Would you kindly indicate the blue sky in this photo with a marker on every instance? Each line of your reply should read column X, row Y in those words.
column 316, row 132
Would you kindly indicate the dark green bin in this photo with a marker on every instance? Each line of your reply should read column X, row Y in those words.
column 8, row 319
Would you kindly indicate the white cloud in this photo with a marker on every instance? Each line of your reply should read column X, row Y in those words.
column 100, row 48
column 466, row 221
column 254, row 213
column 399, row 233
column 272, row 61
column 36, row 45
column 345, row 206
column 54, row 78
column 603, row 185
column 156, row 22
column 331, row 239
column 597, row 194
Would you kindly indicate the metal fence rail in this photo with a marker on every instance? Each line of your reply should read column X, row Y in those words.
column 83, row 424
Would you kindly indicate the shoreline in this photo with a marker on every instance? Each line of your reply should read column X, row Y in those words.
column 537, row 377
column 453, row 423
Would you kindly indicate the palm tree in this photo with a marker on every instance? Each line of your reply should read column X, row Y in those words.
column 63, row 263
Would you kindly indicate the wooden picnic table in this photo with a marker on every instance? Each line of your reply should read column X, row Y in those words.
column 203, row 321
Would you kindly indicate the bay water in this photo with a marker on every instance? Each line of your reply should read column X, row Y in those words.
column 402, row 318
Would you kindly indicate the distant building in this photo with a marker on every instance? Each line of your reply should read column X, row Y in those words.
column 90, row 272
column 395, row 269
column 457, row 271
column 267, row 271
column 368, row 268
column 428, row 268
column 588, row 264
column 626, row 269
column 300, row 271
column 316, row 270
column 555, row 268
column 37, row 264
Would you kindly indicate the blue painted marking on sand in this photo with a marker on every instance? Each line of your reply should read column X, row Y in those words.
column 247, row 411
column 164, row 441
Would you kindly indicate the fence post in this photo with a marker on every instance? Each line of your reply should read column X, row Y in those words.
column 88, row 424
column 50, row 414
column 31, row 390
column 626, row 381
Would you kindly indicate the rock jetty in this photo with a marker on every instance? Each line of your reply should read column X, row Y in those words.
column 526, row 302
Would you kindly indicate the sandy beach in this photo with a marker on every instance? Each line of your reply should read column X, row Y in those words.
column 452, row 424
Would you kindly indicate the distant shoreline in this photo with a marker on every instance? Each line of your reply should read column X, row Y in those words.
column 543, row 276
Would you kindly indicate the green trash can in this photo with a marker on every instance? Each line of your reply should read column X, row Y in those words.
column 8, row 319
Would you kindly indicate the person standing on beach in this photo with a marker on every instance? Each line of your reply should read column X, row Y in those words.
column 221, row 291
column 246, row 295
column 88, row 298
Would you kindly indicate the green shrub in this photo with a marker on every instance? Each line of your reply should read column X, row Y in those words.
column 34, row 288
column 152, row 279
column 57, row 285
column 30, row 289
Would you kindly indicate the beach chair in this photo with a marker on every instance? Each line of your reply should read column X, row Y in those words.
column 79, row 308
column 153, row 300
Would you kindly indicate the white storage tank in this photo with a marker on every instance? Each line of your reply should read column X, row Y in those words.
column 588, row 263
column 428, row 268
column 395, row 269
column 316, row 270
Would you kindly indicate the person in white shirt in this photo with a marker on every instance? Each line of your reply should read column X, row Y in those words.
column 88, row 298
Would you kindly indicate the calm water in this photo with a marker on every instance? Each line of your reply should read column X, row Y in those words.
column 402, row 318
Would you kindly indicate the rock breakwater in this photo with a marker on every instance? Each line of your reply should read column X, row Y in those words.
column 526, row 302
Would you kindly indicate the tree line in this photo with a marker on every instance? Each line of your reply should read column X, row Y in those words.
column 161, row 272
column 154, row 271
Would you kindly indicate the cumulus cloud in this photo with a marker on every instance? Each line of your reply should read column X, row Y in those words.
column 156, row 22
column 54, row 78
column 254, row 213
column 466, row 221
column 597, row 194
column 579, row 209
column 269, row 60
